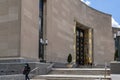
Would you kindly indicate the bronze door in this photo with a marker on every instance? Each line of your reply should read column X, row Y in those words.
column 79, row 46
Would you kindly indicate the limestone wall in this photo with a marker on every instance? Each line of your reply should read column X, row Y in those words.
column 61, row 17
column 19, row 28
column 30, row 29
column 9, row 28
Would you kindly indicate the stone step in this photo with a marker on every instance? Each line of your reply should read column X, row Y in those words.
column 81, row 71
column 72, row 77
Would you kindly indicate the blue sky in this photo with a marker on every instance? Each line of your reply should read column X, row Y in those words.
column 107, row 6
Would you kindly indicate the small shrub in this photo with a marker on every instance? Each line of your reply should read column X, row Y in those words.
column 69, row 59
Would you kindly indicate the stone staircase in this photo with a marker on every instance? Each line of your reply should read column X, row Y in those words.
column 76, row 74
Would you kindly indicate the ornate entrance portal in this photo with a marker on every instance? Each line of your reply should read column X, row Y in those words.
column 84, row 49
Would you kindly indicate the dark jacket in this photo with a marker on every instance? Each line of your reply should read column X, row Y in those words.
column 26, row 70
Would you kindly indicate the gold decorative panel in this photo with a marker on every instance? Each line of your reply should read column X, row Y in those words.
column 90, row 46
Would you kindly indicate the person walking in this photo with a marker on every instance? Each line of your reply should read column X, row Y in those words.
column 26, row 71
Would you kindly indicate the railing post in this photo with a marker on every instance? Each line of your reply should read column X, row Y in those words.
column 105, row 70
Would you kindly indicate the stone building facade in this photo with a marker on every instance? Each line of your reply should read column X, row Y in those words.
column 67, row 27
column 19, row 28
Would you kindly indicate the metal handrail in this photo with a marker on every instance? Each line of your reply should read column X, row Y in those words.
column 34, row 69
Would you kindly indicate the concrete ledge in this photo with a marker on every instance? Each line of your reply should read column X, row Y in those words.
column 17, row 68
column 12, row 77
column 16, row 59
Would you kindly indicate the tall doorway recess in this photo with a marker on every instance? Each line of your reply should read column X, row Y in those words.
column 84, row 45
